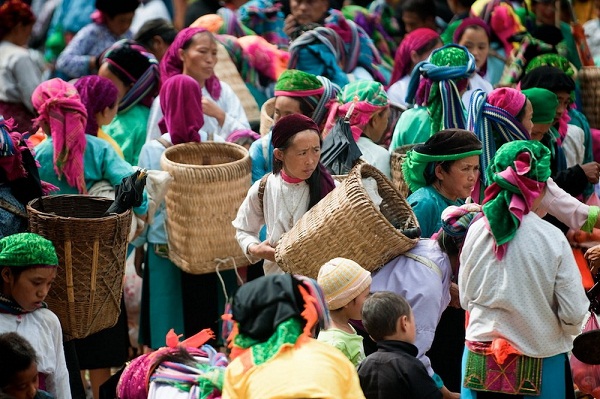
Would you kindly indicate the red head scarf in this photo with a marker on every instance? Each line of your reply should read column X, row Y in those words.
column 414, row 41
column 59, row 105
column 171, row 64
column 181, row 104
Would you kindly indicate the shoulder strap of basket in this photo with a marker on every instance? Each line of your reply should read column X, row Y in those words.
column 425, row 261
column 164, row 142
column 7, row 206
column 261, row 189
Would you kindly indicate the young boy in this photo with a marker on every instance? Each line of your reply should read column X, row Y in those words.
column 346, row 286
column 394, row 370
column 19, row 376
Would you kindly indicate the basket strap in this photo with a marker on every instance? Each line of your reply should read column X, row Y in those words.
column 261, row 190
column 427, row 262
column 164, row 142
column 7, row 206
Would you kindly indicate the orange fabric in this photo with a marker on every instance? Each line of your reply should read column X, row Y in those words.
column 586, row 275
column 37, row 137
column 195, row 341
column 501, row 349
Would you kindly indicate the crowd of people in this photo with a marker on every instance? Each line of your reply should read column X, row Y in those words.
column 479, row 99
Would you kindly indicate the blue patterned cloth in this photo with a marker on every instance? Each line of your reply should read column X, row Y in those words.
column 9, row 222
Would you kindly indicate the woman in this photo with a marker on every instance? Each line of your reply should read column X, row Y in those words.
column 474, row 34
column 414, row 48
column 369, row 107
column 298, row 182
column 544, row 104
column 170, row 297
column 296, row 92
column 499, row 117
column 156, row 35
column 194, row 53
column 100, row 97
column 530, row 319
column 273, row 352
column 439, row 173
column 28, row 265
column 111, row 22
column 135, row 73
column 19, row 75
column 438, row 96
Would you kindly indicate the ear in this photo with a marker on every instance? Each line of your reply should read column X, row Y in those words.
column 439, row 172
column 278, row 154
column 181, row 53
column 414, row 57
column 403, row 324
column 6, row 275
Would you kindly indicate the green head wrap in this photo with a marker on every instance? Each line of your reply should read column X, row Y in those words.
column 518, row 175
column 367, row 91
column 544, row 104
column 446, row 145
column 27, row 249
column 553, row 60
column 299, row 83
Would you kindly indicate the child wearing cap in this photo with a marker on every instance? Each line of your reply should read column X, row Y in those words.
column 346, row 286
column 394, row 370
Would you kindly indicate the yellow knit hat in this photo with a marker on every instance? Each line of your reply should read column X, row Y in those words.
column 342, row 280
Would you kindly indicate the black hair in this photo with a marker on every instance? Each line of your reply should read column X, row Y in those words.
column 521, row 113
column 314, row 181
column 189, row 41
column 448, row 244
column 425, row 9
column 128, row 59
column 155, row 27
column 466, row 3
column 430, row 176
column 475, row 27
column 430, row 45
column 17, row 355
column 380, row 313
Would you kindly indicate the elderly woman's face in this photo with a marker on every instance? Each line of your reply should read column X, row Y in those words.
column 307, row 11
column 459, row 180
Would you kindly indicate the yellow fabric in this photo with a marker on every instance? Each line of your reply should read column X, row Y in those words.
column 313, row 370
column 111, row 141
column 584, row 11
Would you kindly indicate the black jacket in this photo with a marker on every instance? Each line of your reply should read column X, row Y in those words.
column 395, row 372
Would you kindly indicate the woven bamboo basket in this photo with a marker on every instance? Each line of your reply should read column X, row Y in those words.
column 228, row 72
column 210, row 182
column 396, row 161
column 266, row 116
column 347, row 224
column 91, row 249
column 589, row 79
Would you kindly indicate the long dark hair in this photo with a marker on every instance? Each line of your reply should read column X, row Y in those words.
column 314, row 181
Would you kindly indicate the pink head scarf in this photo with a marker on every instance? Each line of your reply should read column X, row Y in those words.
column 97, row 94
column 181, row 104
column 171, row 64
column 414, row 41
column 510, row 100
column 59, row 105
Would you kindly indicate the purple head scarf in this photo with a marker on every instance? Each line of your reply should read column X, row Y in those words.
column 171, row 64
column 97, row 93
column 181, row 104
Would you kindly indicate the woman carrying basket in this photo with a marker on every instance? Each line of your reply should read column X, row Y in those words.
column 279, row 200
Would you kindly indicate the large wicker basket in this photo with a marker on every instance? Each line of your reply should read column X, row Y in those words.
column 589, row 79
column 347, row 224
column 86, row 295
column 210, row 182
column 396, row 161
column 266, row 116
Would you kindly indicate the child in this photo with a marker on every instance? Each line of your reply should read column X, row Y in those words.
column 346, row 286
column 394, row 370
column 19, row 376
column 28, row 267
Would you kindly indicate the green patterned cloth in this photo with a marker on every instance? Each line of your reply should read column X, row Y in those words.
column 27, row 249
column 368, row 91
column 544, row 104
column 553, row 60
column 286, row 334
column 511, row 162
column 293, row 80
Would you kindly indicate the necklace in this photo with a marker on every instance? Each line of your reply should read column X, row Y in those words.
column 293, row 211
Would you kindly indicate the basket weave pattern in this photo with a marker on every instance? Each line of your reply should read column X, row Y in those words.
column 346, row 224
column 91, row 249
column 589, row 78
column 396, row 160
column 210, row 182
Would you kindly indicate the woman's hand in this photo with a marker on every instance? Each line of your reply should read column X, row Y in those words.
column 210, row 108
column 592, row 255
column 454, row 298
column 263, row 250
column 592, row 171
column 290, row 24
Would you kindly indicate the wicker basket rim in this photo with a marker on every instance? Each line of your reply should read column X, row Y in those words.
column 179, row 147
column 30, row 208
